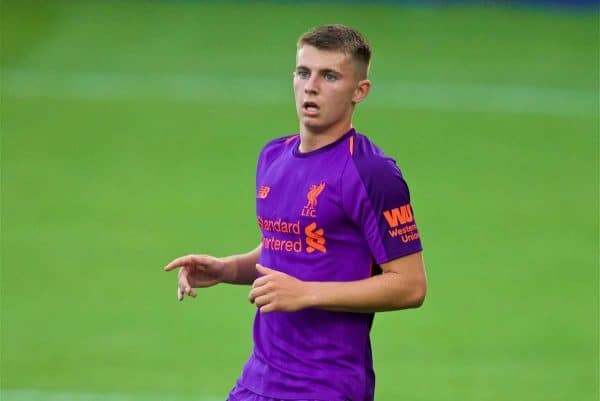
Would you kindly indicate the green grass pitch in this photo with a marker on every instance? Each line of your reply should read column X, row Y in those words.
column 130, row 132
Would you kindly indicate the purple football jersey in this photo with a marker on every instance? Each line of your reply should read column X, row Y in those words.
column 333, row 214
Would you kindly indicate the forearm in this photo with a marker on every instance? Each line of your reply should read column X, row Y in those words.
column 241, row 269
column 384, row 292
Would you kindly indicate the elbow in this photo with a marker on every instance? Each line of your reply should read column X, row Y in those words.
column 420, row 292
column 420, row 299
column 410, row 289
column 417, row 297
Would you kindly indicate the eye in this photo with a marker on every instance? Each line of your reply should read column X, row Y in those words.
column 302, row 74
column 330, row 77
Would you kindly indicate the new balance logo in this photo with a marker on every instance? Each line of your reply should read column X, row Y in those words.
column 263, row 192
column 315, row 240
column 399, row 215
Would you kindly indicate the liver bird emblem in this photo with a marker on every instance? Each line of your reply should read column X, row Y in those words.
column 313, row 194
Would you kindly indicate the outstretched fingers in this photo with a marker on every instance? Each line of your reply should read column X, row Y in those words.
column 191, row 261
column 195, row 268
column 184, row 283
column 179, row 262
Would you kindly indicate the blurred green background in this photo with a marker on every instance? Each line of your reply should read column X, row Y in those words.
column 130, row 132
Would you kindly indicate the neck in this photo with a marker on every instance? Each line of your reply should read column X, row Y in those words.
column 312, row 140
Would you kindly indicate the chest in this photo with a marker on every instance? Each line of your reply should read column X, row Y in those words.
column 304, row 191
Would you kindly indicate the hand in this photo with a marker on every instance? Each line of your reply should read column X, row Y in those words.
column 197, row 271
column 277, row 291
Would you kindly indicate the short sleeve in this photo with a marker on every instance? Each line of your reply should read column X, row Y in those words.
column 270, row 151
column 377, row 199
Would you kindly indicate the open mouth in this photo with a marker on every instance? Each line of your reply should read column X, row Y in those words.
column 310, row 107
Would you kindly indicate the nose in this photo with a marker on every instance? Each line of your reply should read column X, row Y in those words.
column 311, row 87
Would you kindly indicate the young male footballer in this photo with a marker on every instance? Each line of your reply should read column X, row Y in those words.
column 339, row 239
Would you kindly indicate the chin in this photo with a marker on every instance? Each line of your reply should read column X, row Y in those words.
column 314, row 126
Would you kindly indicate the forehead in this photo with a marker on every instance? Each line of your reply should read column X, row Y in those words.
column 317, row 59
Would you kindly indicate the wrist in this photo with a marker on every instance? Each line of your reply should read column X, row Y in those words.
column 311, row 299
column 229, row 269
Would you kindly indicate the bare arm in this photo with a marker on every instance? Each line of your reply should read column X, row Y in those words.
column 241, row 269
column 199, row 271
column 401, row 285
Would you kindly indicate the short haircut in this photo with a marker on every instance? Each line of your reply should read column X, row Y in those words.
column 340, row 38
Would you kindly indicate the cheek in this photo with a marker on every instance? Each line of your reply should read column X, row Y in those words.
column 341, row 99
column 297, row 85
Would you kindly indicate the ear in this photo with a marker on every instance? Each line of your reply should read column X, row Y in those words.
column 362, row 91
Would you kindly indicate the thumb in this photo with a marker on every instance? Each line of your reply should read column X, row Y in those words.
column 264, row 270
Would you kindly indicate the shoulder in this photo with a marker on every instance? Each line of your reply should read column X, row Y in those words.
column 278, row 145
column 372, row 179
column 370, row 163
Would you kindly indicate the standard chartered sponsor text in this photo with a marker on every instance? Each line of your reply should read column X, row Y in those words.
column 275, row 244
column 280, row 226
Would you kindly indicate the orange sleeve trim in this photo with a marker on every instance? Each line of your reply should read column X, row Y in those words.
column 291, row 138
column 351, row 145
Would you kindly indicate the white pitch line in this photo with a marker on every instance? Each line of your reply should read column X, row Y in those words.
column 43, row 395
column 252, row 90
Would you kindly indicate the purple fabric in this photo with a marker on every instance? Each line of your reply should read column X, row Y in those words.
column 239, row 393
column 327, row 215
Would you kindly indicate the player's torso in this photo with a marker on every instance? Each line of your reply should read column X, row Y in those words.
column 305, row 231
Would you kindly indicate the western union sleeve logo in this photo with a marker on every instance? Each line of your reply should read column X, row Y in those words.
column 401, row 216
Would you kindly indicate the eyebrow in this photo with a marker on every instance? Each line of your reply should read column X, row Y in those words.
column 323, row 71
